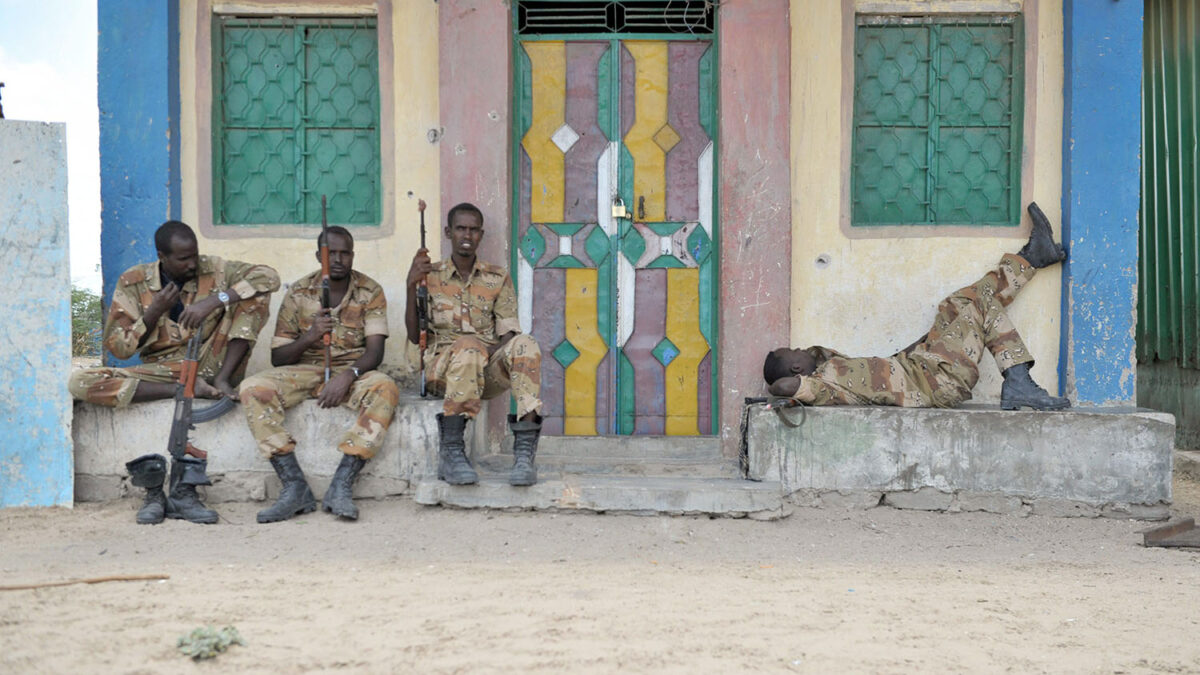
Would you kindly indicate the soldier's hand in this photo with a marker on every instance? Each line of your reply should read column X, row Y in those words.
column 323, row 323
column 193, row 315
column 165, row 299
column 421, row 266
column 336, row 390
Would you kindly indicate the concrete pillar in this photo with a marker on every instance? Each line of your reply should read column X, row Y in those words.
column 138, row 96
column 36, row 462
column 1101, row 164
column 756, row 220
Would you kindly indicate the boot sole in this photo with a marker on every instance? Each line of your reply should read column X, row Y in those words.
column 150, row 522
column 308, row 508
column 339, row 514
column 1018, row 406
column 204, row 521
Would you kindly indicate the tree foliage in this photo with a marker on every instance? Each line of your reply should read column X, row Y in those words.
column 86, row 322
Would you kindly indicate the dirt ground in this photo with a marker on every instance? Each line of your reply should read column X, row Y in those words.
column 416, row 589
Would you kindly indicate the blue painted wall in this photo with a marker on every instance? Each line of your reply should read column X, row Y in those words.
column 36, row 459
column 138, row 65
column 1101, row 183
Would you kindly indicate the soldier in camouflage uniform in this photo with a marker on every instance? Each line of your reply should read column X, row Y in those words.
column 155, row 310
column 941, row 368
column 476, row 349
column 358, row 327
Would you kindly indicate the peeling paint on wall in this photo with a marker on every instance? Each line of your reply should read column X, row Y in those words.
column 36, row 467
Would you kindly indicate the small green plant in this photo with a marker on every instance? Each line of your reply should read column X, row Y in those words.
column 206, row 642
column 86, row 322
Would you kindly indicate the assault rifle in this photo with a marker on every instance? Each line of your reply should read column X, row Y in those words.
column 422, row 305
column 326, row 338
column 185, row 456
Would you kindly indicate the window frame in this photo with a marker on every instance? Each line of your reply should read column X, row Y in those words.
column 1023, row 11
column 208, row 14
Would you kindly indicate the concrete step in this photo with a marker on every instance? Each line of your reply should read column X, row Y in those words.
column 624, row 494
column 682, row 456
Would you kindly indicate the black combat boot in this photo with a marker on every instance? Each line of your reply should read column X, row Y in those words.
column 294, row 497
column 525, row 440
column 1041, row 251
column 453, row 465
column 149, row 471
column 339, row 498
column 183, row 502
column 1019, row 390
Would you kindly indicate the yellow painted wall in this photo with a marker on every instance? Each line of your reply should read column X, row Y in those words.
column 876, row 295
column 414, row 105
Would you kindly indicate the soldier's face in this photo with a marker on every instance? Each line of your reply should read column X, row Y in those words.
column 464, row 232
column 182, row 261
column 341, row 256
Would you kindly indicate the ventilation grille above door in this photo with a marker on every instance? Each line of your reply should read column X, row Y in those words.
column 539, row 17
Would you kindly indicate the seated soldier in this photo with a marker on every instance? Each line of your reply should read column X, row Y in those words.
column 476, row 350
column 155, row 309
column 357, row 323
column 940, row 369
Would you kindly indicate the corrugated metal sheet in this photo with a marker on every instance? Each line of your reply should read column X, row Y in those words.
column 1169, row 287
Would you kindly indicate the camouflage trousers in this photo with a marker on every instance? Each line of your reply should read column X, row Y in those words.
column 463, row 374
column 115, row 386
column 941, row 368
column 266, row 395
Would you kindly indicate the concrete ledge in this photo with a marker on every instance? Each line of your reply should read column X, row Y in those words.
column 622, row 494
column 1085, row 462
column 106, row 438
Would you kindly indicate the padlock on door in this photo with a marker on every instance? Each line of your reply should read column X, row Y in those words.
column 618, row 208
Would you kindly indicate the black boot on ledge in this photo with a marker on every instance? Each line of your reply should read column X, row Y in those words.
column 1020, row 391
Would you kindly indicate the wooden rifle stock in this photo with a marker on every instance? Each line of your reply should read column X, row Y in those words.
column 327, row 338
column 422, row 305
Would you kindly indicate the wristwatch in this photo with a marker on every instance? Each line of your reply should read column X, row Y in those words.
column 224, row 298
column 354, row 369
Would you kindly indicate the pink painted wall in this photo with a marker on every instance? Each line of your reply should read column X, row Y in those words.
column 755, row 194
column 473, row 104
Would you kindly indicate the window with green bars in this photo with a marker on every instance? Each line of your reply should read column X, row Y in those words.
column 937, row 120
column 295, row 118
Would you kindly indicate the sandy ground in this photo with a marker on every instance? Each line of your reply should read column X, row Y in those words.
column 415, row 589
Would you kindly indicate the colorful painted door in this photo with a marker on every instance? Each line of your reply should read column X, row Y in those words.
column 615, row 262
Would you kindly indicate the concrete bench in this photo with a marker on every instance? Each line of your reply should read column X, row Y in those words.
column 1082, row 462
column 106, row 438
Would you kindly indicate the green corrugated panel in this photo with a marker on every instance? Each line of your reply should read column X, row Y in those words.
column 937, row 120
column 1169, row 285
column 297, row 117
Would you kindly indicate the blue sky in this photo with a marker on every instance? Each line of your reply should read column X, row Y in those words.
column 48, row 67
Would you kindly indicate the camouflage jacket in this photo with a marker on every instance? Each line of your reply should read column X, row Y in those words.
column 904, row 379
column 484, row 306
column 125, row 333
column 362, row 312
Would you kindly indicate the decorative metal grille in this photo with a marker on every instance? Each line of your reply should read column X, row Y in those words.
column 937, row 120
column 536, row 17
column 296, row 116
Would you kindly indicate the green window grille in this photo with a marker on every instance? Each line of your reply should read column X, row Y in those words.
column 937, row 120
column 295, row 117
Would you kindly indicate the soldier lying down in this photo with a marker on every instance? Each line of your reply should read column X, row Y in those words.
column 940, row 369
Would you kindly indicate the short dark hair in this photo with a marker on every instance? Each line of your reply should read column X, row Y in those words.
column 335, row 229
column 774, row 368
column 465, row 207
column 170, row 230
